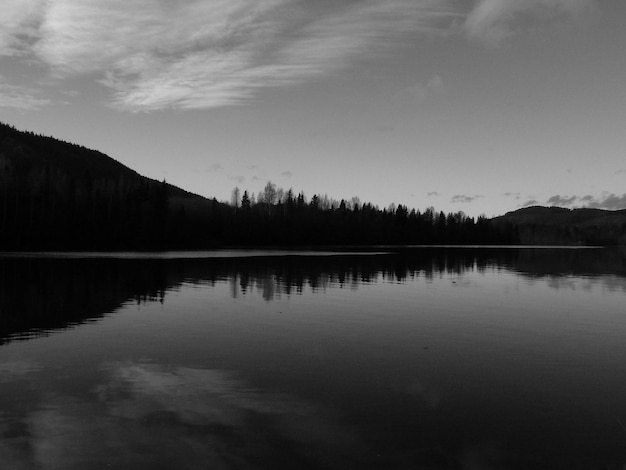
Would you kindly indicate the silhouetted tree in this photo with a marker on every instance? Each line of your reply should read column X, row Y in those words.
column 245, row 202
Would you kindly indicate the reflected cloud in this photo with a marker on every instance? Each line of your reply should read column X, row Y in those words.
column 146, row 416
column 11, row 369
column 196, row 396
column 149, row 416
column 569, row 283
column 425, row 394
column 573, row 283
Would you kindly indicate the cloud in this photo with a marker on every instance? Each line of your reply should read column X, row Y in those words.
column 17, row 97
column 204, row 54
column 238, row 179
column 530, row 202
column 19, row 26
column 420, row 92
column 493, row 21
column 287, row 174
column 432, row 193
column 462, row 198
column 608, row 201
column 214, row 167
column 199, row 54
column 563, row 201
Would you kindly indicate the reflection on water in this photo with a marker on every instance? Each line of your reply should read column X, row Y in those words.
column 424, row 358
column 43, row 293
column 174, row 418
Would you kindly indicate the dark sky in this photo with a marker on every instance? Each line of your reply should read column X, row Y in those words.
column 482, row 106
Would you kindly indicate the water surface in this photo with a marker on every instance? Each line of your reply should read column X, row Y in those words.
column 423, row 358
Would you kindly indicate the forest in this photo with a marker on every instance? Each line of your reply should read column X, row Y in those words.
column 56, row 195
column 281, row 217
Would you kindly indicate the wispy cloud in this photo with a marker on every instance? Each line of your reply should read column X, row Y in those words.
column 17, row 97
column 237, row 178
column 420, row 92
column 530, row 202
column 493, row 21
column 608, row 201
column 19, row 24
column 562, row 201
column 194, row 54
column 287, row 174
column 214, row 167
column 204, row 54
column 462, row 198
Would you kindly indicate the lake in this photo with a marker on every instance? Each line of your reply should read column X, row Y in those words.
column 415, row 358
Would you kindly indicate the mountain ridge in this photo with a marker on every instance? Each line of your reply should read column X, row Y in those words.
column 548, row 225
column 56, row 194
column 77, row 160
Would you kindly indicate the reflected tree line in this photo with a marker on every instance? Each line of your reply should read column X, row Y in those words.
column 299, row 274
column 39, row 295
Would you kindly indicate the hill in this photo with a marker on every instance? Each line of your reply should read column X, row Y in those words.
column 539, row 225
column 58, row 195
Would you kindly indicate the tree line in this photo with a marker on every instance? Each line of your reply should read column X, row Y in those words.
column 56, row 195
column 281, row 217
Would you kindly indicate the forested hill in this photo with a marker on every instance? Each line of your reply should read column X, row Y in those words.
column 25, row 151
column 539, row 225
column 56, row 195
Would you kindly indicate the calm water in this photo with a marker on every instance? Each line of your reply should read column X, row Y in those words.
column 423, row 359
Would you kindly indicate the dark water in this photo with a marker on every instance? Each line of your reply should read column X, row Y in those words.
column 423, row 359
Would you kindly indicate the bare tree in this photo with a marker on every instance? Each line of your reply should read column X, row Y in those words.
column 269, row 193
column 234, row 197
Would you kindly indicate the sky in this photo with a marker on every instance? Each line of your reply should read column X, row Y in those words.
column 480, row 106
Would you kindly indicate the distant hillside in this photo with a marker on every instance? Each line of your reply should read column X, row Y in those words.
column 538, row 225
column 55, row 194
column 24, row 151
